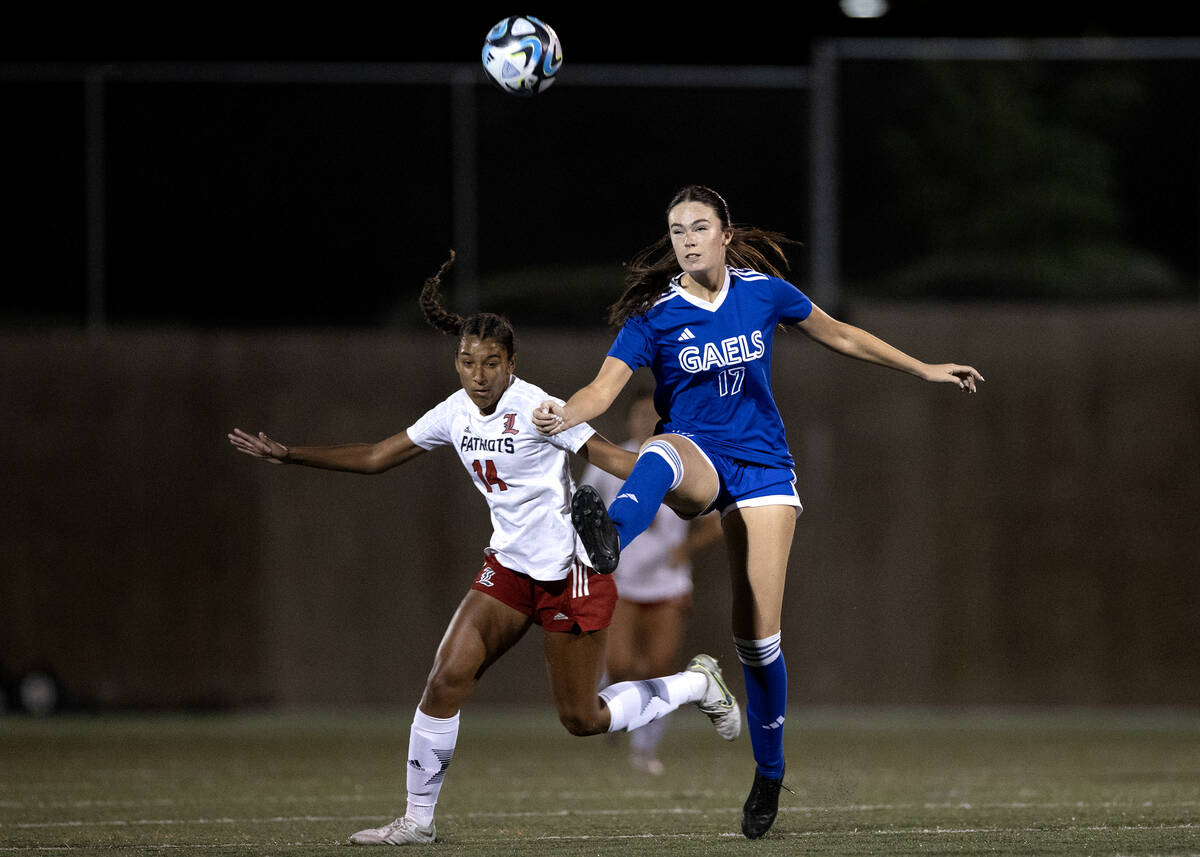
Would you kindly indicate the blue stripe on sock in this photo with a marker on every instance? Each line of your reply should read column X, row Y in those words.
column 757, row 653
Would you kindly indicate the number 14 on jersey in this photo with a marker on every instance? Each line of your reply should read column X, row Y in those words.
column 486, row 471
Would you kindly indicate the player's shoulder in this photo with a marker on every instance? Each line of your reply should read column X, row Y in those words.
column 662, row 307
column 747, row 284
column 749, row 275
column 458, row 401
column 440, row 420
column 523, row 398
column 523, row 392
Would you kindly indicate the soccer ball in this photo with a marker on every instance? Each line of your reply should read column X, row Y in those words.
column 522, row 55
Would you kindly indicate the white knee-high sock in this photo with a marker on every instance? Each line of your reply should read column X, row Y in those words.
column 431, row 743
column 635, row 703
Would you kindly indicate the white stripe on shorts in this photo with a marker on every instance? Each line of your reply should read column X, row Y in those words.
column 774, row 500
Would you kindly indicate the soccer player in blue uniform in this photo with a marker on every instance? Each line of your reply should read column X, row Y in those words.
column 700, row 309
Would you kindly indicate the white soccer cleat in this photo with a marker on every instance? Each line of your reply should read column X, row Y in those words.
column 402, row 831
column 718, row 703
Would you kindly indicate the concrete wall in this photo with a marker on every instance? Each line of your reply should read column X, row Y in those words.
column 1035, row 543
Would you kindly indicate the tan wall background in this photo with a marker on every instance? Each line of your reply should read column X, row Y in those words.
column 1036, row 543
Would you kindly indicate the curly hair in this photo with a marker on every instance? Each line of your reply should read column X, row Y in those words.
column 484, row 325
column 648, row 275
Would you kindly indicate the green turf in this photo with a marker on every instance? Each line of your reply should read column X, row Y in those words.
column 865, row 782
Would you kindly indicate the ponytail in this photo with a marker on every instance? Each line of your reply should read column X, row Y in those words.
column 483, row 325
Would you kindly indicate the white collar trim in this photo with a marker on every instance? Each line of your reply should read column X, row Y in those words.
column 700, row 303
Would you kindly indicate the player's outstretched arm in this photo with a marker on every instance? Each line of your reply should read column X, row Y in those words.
column 857, row 343
column 590, row 402
column 609, row 457
column 259, row 446
column 349, row 457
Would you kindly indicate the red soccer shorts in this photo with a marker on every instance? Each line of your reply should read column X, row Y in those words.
column 582, row 601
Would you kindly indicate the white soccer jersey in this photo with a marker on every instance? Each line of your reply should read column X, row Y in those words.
column 645, row 573
column 524, row 475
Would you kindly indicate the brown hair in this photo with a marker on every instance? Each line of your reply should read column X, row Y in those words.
column 648, row 275
column 484, row 325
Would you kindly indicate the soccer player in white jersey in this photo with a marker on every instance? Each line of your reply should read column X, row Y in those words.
column 654, row 587
column 704, row 327
column 534, row 572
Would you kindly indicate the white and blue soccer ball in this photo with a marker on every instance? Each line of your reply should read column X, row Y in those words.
column 522, row 55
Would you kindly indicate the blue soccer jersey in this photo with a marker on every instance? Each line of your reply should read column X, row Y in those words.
column 712, row 362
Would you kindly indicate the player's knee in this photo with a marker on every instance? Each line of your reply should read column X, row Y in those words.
column 445, row 689
column 581, row 723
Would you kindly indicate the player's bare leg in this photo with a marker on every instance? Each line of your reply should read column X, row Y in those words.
column 661, row 635
column 644, row 639
column 699, row 483
column 759, row 540
column 623, row 659
column 480, row 632
column 576, row 662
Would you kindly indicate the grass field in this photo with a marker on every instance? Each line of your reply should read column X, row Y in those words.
column 865, row 782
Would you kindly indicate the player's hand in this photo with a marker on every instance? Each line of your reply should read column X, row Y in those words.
column 549, row 418
column 951, row 373
column 260, row 447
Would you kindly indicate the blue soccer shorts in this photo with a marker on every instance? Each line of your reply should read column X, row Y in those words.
column 745, row 484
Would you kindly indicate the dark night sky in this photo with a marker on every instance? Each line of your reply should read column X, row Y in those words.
column 216, row 189
column 760, row 34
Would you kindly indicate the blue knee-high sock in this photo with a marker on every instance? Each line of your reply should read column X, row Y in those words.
column 766, row 700
column 657, row 471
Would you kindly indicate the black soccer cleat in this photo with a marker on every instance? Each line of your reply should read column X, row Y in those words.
column 761, row 806
column 596, row 530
